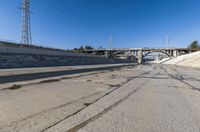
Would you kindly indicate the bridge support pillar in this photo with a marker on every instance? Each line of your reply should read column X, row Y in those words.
column 107, row 53
column 172, row 53
column 175, row 53
column 94, row 52
column 169, row 52
column 140, row 56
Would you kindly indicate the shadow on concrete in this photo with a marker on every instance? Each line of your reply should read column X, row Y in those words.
column 26, row 77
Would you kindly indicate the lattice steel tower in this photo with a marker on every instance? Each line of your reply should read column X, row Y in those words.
column 111, row 41
column 26, row 27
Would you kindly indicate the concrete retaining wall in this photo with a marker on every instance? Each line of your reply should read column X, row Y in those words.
column 12, row 48
column 17, row 56
column 26, row 60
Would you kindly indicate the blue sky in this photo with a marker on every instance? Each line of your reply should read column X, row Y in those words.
column 132, row 23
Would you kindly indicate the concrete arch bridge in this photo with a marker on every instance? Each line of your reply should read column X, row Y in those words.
column 139, row 53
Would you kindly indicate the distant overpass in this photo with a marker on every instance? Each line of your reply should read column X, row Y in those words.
column 140, row 53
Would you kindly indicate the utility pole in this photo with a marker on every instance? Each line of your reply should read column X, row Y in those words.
column 26, row 26
column 111, row 41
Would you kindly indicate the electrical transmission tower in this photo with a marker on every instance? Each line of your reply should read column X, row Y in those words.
column 26, row 27
column 167, row 41
column 111, row 41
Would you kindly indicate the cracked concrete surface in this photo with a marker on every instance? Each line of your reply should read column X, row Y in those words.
column 144, row 98
column 35, row 107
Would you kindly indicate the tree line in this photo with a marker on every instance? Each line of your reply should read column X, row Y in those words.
column 194, row 45
column 81, row 49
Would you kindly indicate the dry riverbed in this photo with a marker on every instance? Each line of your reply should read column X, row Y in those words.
column 143, row 98
column 36, row 107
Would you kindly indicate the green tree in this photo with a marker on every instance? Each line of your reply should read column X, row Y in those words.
column 194, row 45
column 87, row 47
column 81, row 48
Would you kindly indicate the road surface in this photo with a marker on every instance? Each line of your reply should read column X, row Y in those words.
column 144, row 98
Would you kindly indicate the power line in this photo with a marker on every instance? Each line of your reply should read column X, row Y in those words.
column 65, row 12
column 74, row 17
column 26, row 26
column 57, row 9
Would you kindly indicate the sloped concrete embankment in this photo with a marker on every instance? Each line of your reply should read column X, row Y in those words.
column 18, row 56
column 27, row 60
column 189, row 60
